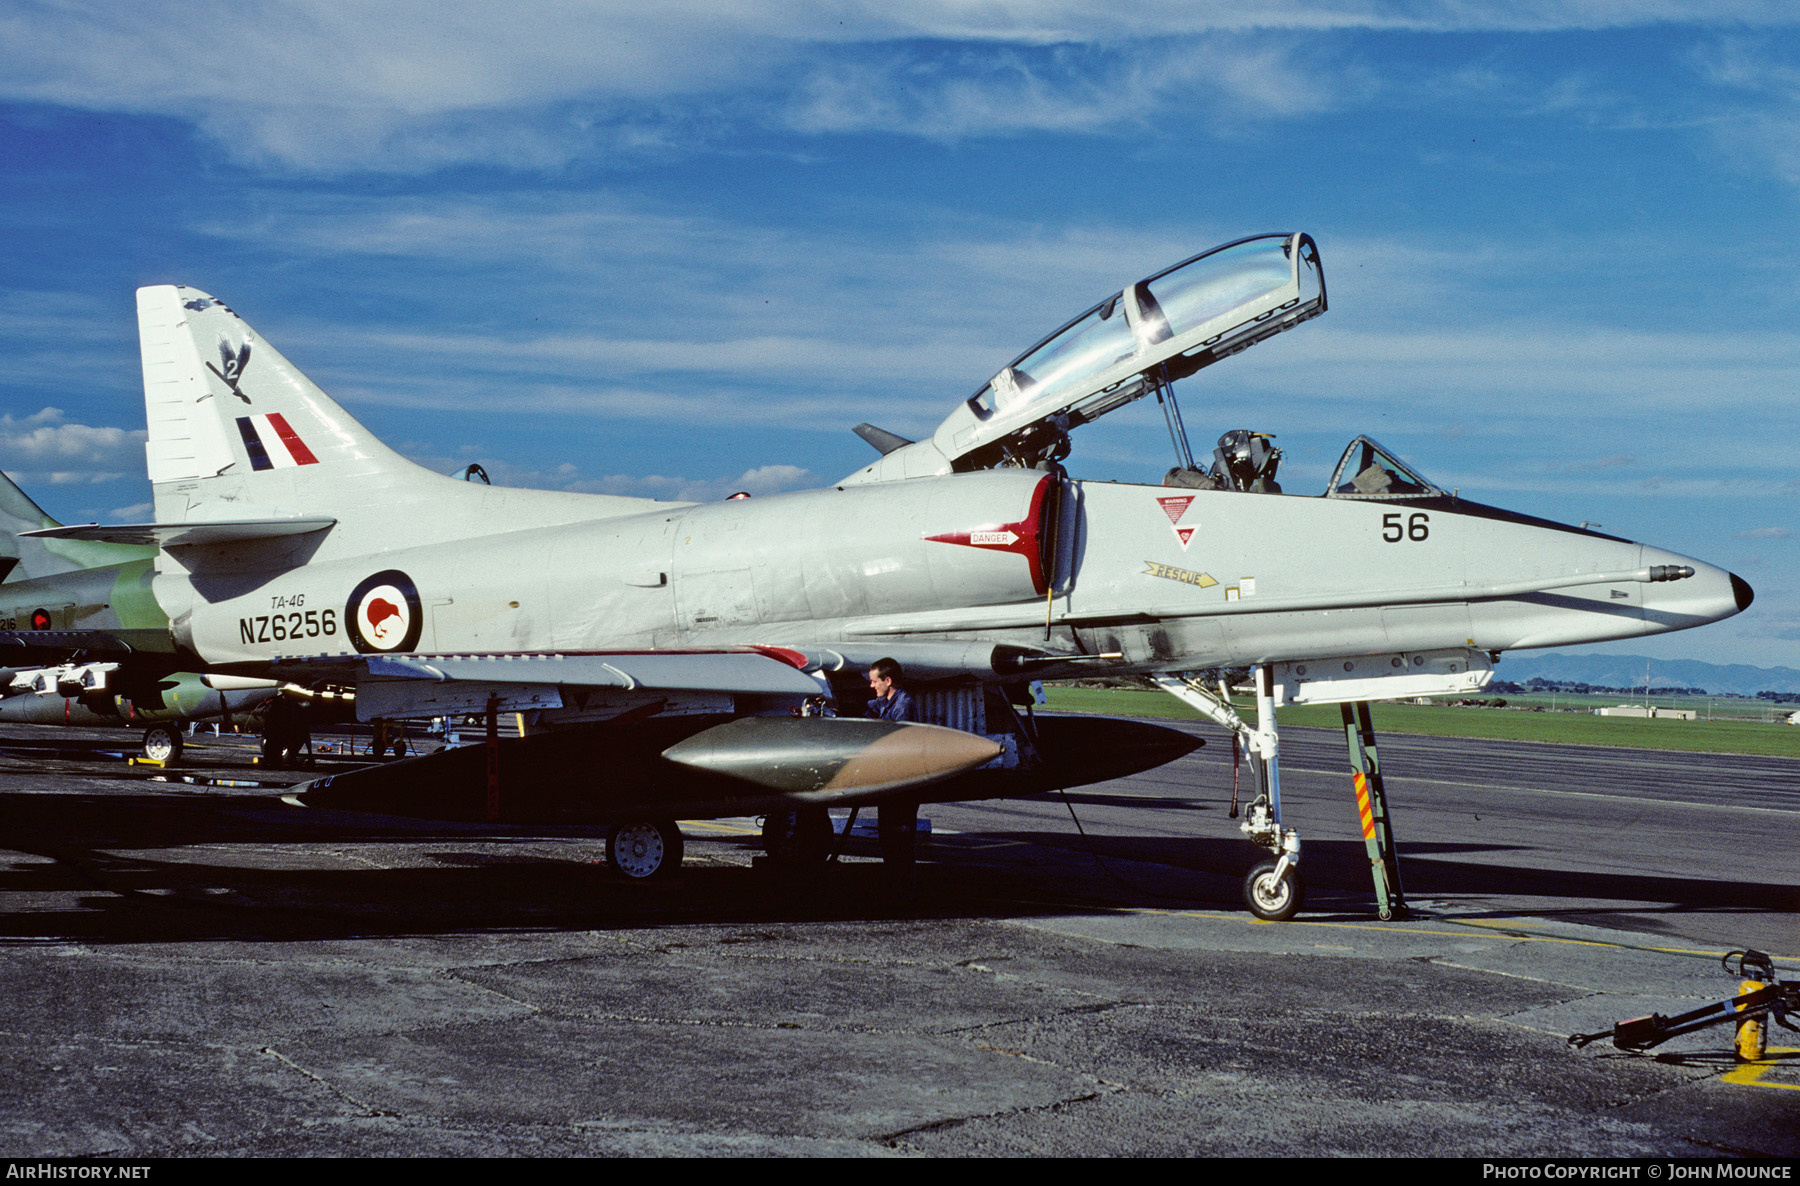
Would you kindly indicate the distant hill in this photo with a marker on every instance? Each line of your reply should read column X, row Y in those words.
column 1627, row 671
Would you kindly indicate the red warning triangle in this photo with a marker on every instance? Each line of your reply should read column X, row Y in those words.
column 1175, row 506
column 1184, row 534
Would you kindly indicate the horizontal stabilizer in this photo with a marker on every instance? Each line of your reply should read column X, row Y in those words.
column 183, row 535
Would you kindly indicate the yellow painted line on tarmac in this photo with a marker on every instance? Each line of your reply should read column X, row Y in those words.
column 1750, row 1074
column 1713, row 953
column 1483, row 923
column 1263, row 922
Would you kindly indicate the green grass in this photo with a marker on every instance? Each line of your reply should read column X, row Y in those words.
column 1499, row 724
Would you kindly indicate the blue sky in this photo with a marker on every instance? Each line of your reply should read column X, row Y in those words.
column 679, row 249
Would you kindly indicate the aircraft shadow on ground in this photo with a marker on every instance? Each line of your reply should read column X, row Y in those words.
column 129, row 868
column 1337, row 872
column 82, row 888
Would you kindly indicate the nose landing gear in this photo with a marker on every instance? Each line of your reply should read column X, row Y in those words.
column 1273, row 889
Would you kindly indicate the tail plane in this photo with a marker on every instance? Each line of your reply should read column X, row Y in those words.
column 239, row 433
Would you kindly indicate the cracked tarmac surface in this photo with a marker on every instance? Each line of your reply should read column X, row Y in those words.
column 205, row 971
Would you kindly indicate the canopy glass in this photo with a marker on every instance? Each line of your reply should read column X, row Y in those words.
column 1366, row 470
column 1180, row 319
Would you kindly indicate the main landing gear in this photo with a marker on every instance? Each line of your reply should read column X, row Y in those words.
column 804, row 840
column 798, row 840
column 645, row 850
column 162, row 743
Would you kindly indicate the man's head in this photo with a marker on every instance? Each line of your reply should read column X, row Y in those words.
column 884, row 678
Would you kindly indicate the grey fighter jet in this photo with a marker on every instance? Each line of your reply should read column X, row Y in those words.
column 85, row 643
column 672, row 655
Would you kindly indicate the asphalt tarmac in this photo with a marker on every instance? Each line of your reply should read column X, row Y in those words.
column 194, row 968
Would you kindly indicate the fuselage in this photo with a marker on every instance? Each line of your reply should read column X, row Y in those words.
column 1166, row 578
column 111, row 597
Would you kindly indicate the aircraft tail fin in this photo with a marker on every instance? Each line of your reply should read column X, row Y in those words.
column 28, row 559
column 225, row 407
column 238, row 433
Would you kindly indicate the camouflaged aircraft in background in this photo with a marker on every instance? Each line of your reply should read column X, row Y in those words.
column 662, row 648
column 85, row 642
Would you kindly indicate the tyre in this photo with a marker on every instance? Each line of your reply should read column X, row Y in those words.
column 162, row 743
column 1272, row 899
column 798, row 839
column 647, row 850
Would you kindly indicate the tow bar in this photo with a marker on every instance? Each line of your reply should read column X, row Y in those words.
column 1760, row 996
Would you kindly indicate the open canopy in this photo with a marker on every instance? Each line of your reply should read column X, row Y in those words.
column 1161, row 328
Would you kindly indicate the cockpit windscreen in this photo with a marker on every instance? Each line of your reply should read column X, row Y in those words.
column 1366, row 470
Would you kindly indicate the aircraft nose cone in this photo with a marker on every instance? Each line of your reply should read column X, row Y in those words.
column 1740, row 589
column 1707, row 594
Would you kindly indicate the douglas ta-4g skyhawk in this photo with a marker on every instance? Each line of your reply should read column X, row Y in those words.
column 668, row 658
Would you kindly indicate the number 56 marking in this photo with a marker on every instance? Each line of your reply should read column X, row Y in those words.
column 1416, row 528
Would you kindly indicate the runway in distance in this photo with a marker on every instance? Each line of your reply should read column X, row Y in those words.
column 87, row 644
column 661, row 651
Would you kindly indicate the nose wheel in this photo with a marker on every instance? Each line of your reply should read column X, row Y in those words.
column 1273, row 891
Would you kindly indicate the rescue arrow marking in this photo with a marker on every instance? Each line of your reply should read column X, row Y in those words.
column 1170, row 573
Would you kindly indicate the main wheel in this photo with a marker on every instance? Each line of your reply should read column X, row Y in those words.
column 645, row 850
column 1272, row 899
column 798, row 839
column 162, row 743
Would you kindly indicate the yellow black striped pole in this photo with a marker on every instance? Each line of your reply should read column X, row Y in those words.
column 1371, row 806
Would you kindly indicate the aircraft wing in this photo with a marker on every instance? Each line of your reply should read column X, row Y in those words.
column 415, row 685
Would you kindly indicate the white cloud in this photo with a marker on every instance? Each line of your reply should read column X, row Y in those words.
column 587, row 305
column 1760, row 128
column 761, row 480
column 43, row 448
column 329, row 85
column 986, row 90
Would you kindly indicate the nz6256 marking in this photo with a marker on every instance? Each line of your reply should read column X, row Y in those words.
column 281, row 627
